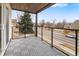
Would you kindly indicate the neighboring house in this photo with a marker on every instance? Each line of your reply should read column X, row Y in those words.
column 14, row 22
column 75, row 25
column 15, row 28
column 68, row 25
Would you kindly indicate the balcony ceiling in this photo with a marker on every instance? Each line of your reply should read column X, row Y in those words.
column 30, row 7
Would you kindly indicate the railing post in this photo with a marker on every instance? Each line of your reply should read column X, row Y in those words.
column 41, row 32
column 76, row 42
column 36, row 29
column 51, row 37
column 12, row 32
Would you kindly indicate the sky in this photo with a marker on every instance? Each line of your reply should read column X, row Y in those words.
column 58, row 12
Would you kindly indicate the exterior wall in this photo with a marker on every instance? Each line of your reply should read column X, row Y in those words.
column 0, row 25
column 6, row 27
column 10, row 27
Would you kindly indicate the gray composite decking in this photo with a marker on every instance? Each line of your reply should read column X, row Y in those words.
column 31, row 46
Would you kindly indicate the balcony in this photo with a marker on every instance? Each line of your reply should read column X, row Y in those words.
column 45, row 41
column 31, row 46
column 50, row 42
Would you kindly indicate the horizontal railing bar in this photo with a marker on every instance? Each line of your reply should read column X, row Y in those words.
column 61, row 28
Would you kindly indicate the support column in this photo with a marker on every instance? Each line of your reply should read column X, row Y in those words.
column 36, row 29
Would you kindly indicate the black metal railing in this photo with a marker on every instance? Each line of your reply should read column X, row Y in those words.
column 52, row 33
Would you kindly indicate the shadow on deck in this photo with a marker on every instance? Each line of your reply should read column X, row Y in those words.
column 31, row 46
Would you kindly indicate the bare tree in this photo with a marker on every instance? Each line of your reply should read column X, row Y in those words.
column 59, row 25
column 63, row 23
column 54, row 22
column 42, row 22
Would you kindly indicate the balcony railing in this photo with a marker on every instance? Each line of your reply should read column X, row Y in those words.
column 65, row 40
column 16, row 33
